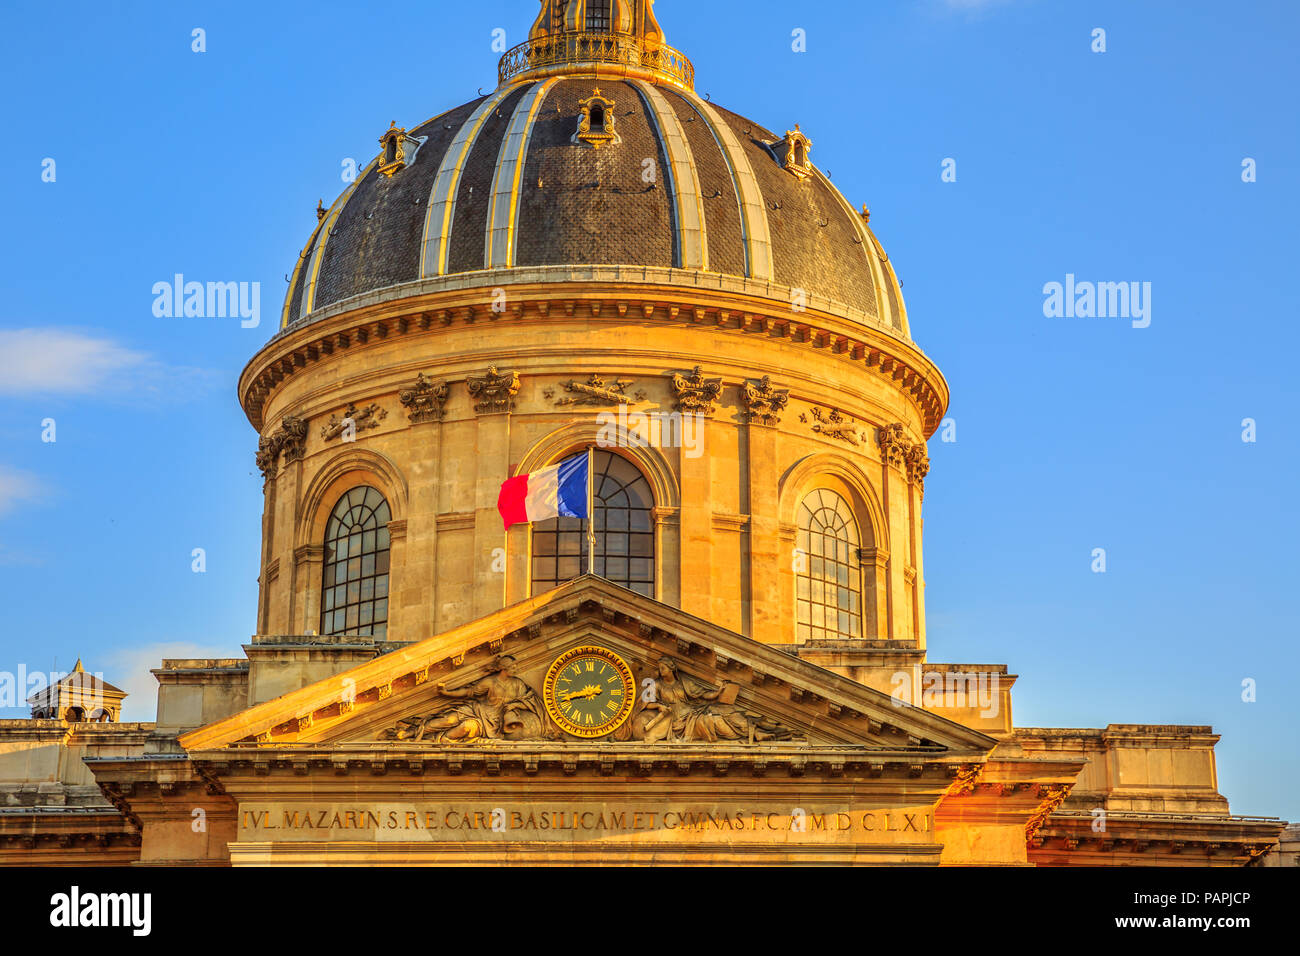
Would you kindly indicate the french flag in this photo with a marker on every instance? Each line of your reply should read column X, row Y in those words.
column 558, row 491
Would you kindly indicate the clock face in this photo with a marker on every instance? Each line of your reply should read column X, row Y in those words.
column 589, row 691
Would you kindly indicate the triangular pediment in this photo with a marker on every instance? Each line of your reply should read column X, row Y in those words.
column 696, row 684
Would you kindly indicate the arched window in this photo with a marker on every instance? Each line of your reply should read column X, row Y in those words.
column 625, row 539
column 598, row 16
column 829, row 579
column 354, row 595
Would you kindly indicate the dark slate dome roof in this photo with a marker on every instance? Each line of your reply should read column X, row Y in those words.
column 502, row 183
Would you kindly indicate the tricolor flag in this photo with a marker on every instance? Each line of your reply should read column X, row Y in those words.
column 559, row 491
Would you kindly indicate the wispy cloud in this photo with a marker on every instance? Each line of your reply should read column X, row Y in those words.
column 45, row 362
column 16, row 487
column 130, row 669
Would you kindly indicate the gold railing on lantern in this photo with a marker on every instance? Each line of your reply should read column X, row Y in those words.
column 614, row 53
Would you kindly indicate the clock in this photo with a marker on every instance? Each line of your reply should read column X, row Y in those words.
column 589, row 691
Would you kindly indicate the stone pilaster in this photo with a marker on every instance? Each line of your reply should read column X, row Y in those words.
column 494, row 396
column 696, row 564
column 766, row 558
column 308, row 568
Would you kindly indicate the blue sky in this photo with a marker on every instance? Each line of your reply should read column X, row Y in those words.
column 1072, row 434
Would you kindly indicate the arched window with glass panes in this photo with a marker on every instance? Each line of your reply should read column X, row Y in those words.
column 828, row 593
column 354, row 595
column 625, row 538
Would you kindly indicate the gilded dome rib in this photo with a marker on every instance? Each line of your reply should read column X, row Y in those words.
column 435, row 246
column 684, row 184
column 753, row 214
column 499, row 242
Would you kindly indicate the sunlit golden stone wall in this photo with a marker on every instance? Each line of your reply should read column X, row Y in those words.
column 725, row 518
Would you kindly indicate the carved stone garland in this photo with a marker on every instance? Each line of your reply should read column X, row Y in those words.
column 596, row 391
column 834, row 425
column 363, row 419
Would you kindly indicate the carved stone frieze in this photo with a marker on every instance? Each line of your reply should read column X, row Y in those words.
column 360, row 420
column 682, row 709
column 290, row 439
column 495, row 392
column 426, row 400
column 695, row 393
column 831, row 423
column 499, row 706
column 763, row 403
column 596, row 391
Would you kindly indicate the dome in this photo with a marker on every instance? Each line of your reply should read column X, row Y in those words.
column 594, row 150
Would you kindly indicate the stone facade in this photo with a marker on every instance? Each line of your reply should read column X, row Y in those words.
column 557, row 302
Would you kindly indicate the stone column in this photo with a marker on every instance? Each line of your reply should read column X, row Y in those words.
column 397, row 571
column 668, row 555
column 697, row 530
column 875, row 594
column 696, row 395
column 414, row 593
column 787, row 613
column 270, row 568
column 766, row 556
column 918, row 466
column 308, row 566
column 494, row 395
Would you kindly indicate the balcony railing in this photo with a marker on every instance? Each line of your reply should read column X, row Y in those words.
column 547, row 54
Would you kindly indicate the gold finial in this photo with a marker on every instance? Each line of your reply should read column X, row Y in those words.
column 866, row 213
column 320, row 209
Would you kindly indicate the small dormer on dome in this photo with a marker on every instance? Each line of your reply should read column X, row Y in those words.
column 794, row 152
column 596, row 121
column 397, row 150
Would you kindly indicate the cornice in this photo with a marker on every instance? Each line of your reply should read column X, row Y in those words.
column 730, row 306
column 916, row 765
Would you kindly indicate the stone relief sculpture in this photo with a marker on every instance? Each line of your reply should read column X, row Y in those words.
column 685, row 709
column 497, row 707
column 360, row 419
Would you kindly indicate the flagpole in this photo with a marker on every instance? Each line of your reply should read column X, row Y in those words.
column 591, row 509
